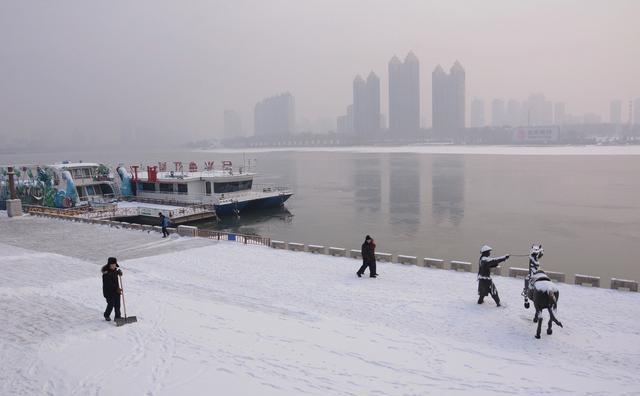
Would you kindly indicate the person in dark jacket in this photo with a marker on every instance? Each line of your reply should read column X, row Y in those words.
column 368, row 257
column 485, row 283
column 164, row 223
column 111, row 287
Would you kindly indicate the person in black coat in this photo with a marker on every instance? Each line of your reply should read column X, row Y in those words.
column 485, row 283
column 111, row 287
column 368, row 257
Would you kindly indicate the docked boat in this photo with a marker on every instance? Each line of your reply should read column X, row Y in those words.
column 228, row 190
column 62, row 185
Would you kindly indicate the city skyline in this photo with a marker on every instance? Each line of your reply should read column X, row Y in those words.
column 173, row 69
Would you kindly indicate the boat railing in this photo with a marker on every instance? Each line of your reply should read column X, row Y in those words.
column 242, row 238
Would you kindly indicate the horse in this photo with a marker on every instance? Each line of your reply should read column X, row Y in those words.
column 544, row 295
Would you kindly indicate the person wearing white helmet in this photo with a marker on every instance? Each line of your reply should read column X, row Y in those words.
column 485, row 283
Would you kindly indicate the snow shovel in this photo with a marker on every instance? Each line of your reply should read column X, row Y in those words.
column 126, row 319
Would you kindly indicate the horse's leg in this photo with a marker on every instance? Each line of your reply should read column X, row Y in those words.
column 539, row 325
column 549, row 331
column 553, row 317
column 535, row 317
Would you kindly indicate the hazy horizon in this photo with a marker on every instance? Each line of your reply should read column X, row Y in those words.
column 85, row 68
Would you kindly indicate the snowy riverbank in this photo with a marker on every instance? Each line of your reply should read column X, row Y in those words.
column 225, row 318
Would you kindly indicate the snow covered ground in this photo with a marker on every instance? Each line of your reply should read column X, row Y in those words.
column 229, row 319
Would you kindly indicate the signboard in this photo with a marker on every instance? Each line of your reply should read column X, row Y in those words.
column 536, row 135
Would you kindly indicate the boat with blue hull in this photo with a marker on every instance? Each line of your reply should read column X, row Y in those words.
column 227, row 190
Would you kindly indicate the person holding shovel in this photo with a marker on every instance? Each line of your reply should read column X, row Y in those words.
column 111, row 288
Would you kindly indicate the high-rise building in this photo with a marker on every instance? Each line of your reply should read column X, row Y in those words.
column 636, row 111
column 344, row 123
column 513, row 113
column 448, row 102
column 615, row 112
column 559, row 114
column 404, row 94
column 537, row 110
column 275, row 116
column 477, row 113
column 497, row 113
column 232, row 124
column 366, row 105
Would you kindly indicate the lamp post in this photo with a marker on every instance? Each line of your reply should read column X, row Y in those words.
column 14, row 205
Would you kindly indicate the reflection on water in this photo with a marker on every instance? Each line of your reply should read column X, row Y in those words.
column 249, row 223
column 367, row 185
column 404, row 194
column 447, row 189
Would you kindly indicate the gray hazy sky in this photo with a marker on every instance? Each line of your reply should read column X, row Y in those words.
column 106, row 66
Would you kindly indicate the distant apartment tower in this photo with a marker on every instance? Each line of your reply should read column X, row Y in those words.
column 537, row 110
column 559, row 114
column 232, row 124
column 404, row 94
column 448, row 102
column 366, row 105
column 477, row 113
column 513, row 113
column 344, row 123
column 636, row 111
column 615, row 112
column 498, row 113
column 275, row 116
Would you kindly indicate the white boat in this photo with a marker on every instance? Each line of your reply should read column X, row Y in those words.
column 229, row 191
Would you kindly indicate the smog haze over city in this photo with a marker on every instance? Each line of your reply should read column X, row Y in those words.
column 168, row 71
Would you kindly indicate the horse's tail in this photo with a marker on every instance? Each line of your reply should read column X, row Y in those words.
column 553, row 304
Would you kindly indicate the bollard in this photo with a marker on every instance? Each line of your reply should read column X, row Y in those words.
column 336, row 251
column 433, row 262
column 586, row 280
column 515, row 272
column 555, row 276
column 278, row 244
column 387, row 257
column 463, row 266
column 408, row 260
column 624, row 284
column 355, row 253
column 296, row 247
column 316, row 249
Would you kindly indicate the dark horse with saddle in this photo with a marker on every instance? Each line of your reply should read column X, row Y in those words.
column 544, row 295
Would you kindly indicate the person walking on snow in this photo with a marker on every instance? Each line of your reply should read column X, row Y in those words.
column 111, row 287
column 485, row 283
column 164, row 223
column 368, row 251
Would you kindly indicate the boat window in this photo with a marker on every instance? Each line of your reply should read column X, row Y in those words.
column 207, row 188
column 147, row 186
column 182, row 188
column 166, row 187
column 91, row 190
column 106, row 189
column 80, row 191
column 86, row 172
column 220, row 188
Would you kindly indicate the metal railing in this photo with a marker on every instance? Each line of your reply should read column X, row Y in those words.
column 226, row 236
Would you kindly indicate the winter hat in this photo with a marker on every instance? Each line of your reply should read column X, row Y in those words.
column 368, row 238
column 112, row 260
column 485, row 248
